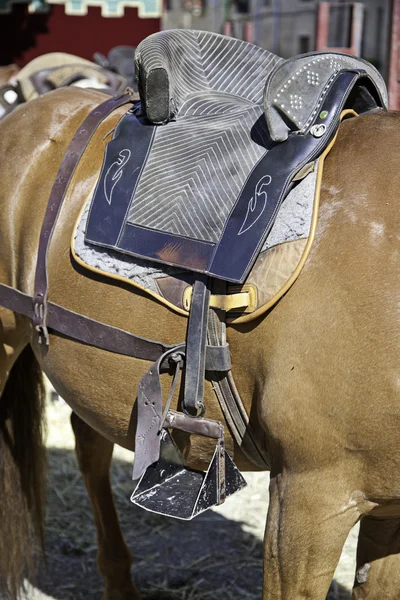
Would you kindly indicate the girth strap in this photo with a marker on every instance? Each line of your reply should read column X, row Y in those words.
column 94, row 333
column 68, row 165
column 196, row 345
column 227, row 393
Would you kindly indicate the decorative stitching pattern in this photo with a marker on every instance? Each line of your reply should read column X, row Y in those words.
column 201, row 158
column 317, row 74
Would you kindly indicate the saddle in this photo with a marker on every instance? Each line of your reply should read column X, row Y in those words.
column 196, row 172
column 194, row 178
column 120, row 60
column 51, row 71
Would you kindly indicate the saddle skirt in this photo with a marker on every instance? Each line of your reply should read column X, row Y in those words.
column 282, row 252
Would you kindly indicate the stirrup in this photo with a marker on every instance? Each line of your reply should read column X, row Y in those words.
column 170, row 488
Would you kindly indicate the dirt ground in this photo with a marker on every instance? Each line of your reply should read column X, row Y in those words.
column 218, row 554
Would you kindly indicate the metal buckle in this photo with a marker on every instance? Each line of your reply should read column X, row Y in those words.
column 40, row 318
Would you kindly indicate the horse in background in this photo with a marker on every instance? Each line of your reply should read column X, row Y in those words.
column 59, row 69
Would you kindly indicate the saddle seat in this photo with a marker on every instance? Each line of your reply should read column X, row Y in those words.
column 174, row 67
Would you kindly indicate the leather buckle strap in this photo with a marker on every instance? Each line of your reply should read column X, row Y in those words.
column 67, row 168
column 100, row 335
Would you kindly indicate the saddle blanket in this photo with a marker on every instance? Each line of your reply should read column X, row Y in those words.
column 281, row 254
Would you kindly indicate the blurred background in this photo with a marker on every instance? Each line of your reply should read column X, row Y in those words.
column 286, row 27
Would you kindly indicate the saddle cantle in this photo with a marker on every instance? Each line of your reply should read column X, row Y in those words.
column 194, row 176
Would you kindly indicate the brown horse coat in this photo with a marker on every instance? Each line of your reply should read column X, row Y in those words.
column 319, row 374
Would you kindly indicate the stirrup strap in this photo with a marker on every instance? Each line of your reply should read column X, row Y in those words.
column 196, row 346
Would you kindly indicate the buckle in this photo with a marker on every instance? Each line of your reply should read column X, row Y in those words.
column 39, row 319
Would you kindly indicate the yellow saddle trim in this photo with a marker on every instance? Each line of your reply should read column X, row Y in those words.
column 244, row 300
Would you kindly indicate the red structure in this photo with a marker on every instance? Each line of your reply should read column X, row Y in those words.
column 25, row 35
column 349, row 25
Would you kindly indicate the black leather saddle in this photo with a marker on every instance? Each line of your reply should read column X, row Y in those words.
column 196, row 172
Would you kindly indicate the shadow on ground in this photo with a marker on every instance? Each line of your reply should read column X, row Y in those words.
column 209, row 557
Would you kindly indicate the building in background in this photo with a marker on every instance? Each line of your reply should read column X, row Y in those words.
column 289, row 27
column 370, row 29
column 79, row 27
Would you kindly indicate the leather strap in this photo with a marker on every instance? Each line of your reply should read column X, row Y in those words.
column 68, row 165
column 94, row 333
column 195, row 346
column 149, row 407
column 228, row 396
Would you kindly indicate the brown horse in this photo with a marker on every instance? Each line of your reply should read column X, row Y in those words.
column 319, row 373
column 51, row 71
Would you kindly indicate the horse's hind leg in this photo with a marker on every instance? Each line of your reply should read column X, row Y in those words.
column 378, row 560
column 308, row 523
column 94, row 455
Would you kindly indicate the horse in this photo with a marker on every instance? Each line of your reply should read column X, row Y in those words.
column 318, row 373
column 50, row 71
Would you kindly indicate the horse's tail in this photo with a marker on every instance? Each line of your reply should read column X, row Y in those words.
column 22, row 474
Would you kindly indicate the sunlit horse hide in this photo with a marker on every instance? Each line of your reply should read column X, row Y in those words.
column 195, row 178
column 54, row 70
